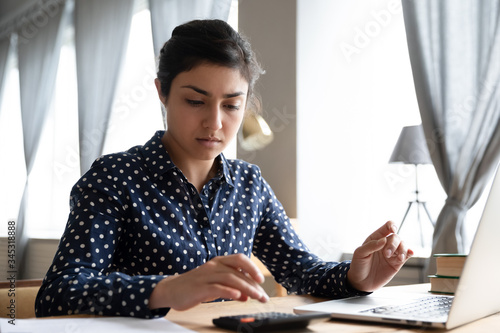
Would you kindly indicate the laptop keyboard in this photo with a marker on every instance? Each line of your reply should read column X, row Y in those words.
column 427, row 307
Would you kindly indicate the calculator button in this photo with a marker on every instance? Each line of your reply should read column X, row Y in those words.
column 247, row 320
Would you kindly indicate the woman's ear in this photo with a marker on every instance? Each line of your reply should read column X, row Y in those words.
column 162, row 98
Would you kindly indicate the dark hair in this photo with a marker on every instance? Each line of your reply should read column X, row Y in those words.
column 208, row 41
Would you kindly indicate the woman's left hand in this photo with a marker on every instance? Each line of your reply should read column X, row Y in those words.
column 380, row 257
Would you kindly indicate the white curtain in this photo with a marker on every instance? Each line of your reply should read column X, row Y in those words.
column 101, row 34
column 38, row 58
column 4, row 55
column 167, row 14
column 454, row 48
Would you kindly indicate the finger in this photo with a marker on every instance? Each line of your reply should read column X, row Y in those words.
column 369, row 248
column 226, row 272
column 392, row 248
column 219, row 291
column 403, row 253
column 243, row 298
column 397, row 248
column 244, row 275
column 388, row 228
column 231, row 285
column 245, row 285
column 247, row 278
column 243, row 263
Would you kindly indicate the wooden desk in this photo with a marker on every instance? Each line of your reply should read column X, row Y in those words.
column 199, row 319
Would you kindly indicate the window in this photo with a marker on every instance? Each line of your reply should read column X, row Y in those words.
column 12, row 171
column 355, row 93
column 136, row 103
column 348, row 123
column 57, row 164
column 136, row 115
column 56, row 167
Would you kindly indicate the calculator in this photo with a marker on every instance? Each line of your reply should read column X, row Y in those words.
column 268, row 321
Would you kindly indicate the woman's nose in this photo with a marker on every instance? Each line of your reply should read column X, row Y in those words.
column 213, row 119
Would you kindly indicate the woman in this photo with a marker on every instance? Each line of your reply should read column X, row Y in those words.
column 172, row 223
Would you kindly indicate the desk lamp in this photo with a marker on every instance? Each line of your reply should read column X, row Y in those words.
column 411, row 148
column 255, row 133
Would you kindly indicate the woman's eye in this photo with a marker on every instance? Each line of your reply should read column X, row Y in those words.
column 194, row 102
column 232, row 107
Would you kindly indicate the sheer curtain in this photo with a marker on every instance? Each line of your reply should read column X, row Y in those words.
column 4, row 55
column 38, row 60
column 101, row 33
column 167, row 14
column 454, row 50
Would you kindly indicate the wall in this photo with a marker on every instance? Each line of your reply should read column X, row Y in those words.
column 339, row 85
column 271, row 26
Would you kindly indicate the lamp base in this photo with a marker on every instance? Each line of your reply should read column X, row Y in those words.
column 419, row 205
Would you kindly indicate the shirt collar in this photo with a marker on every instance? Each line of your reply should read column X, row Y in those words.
column 157, row 159
column 155, row 156
column 226, row 170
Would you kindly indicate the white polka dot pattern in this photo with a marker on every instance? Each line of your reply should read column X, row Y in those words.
column 135, row 219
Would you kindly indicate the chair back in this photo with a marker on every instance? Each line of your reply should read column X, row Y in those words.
column 17, row 298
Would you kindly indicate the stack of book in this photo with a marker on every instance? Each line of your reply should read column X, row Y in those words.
column 448, row 270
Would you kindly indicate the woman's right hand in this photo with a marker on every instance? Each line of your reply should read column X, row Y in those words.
column 234, row 277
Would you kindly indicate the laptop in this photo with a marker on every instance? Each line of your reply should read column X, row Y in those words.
column 477, row 294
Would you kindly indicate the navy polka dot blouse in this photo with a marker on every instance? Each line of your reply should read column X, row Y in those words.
column 135, row 219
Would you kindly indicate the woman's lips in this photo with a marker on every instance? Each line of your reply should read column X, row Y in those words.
column 209, row 141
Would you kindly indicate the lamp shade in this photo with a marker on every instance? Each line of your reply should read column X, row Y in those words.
column 411, row 147
column 255, row 133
